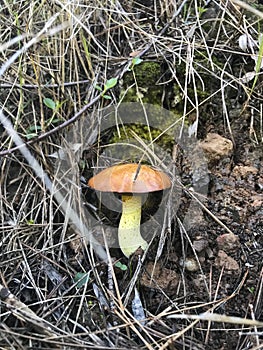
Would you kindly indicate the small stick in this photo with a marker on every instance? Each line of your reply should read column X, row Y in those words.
column 23, row 312
column 52, row 131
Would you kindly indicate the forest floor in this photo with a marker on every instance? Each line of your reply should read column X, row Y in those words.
column 176, row 86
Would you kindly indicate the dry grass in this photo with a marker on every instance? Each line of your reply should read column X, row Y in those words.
column 62, row 51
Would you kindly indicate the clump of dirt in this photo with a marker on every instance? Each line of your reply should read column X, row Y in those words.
column 157, row 277
column 216, row 147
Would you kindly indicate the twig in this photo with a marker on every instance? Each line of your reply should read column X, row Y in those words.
column 43, row 86
column 56, row 129
column 22, row 311
column 249, row 8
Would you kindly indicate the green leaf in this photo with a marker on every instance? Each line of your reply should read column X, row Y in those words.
column 31, row 135
column 97, row 87
column 107, row 97
column 136, row 61
column 82, row 164
column 32, row 131
column 50, row 103
column 121, row 266
column 82, row 278
column 53, row 121
column 33, row 128
column 56, row 120
column 110, row 83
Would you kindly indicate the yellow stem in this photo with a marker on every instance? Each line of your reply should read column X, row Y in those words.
column 130, row 238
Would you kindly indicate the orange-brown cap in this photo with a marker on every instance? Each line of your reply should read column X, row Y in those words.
column 130, row 178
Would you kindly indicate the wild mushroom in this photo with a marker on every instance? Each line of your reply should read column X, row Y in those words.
column 131, row 181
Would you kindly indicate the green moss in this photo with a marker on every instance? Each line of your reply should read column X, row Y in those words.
column 146, row 74
column 141, row 84
column 201, row 94
column 129, row 133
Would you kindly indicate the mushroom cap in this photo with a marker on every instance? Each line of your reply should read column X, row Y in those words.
column 130, row 178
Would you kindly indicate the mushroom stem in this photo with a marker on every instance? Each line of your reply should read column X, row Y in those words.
column 129, row 235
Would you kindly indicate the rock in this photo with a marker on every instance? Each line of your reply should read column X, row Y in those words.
column 243, row 171
column 190, row 264
column 216, row 147
column 224, row 260
column 256, row 202
column 200, row 244
column 157, row 276
column 228, row 242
